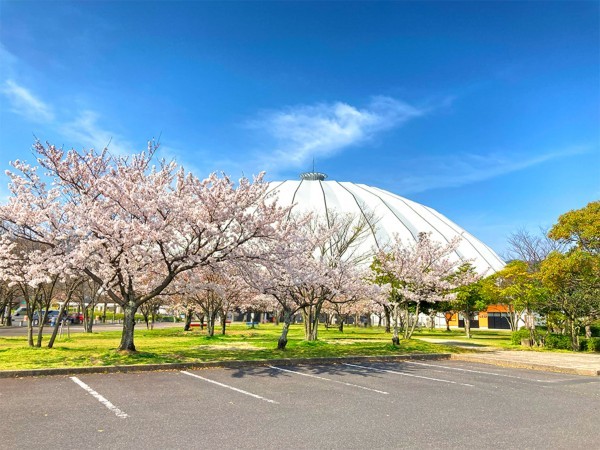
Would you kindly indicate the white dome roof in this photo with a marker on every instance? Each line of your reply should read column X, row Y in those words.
column 394, row 215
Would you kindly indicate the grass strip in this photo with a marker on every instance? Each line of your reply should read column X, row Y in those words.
column 172, row 345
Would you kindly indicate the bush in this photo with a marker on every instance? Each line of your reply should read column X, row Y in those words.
column 595, row 327
column 516, row 336
column 558, row 342
column 593, row 344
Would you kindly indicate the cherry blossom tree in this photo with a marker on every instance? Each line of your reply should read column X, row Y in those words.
column 215, row 290
column 88, row 294
column 307, row 270
column 20, row 263
column 7, row 298
column 149, row 311
column 283, row 274
column 416, row 272
column 66, row 291
column 132, row 226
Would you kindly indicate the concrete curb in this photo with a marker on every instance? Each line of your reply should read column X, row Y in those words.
column 211, row 364
column 524, row 365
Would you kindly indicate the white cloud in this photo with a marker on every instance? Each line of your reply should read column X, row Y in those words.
column 306, row 131
column 25, row 103
column 85, row 132
column 458, row 170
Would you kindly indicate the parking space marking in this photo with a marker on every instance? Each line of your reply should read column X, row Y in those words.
column 229, row 387
column 486, row 373
column 100, row 398
column 409, row 375
column 329, row 379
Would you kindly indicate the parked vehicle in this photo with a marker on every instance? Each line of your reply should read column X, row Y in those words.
column 75, row 318
column 50, row 318
column 20, row 315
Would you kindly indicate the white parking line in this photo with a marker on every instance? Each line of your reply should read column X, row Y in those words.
column 409, row 375
column 485, row 373
column 230, row 387
column 329, row 379
column 100, row 398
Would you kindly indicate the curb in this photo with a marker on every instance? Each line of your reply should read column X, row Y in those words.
column 212, row 364
column 524, row 365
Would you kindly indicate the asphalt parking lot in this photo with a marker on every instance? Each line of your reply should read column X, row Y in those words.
column 428, row 404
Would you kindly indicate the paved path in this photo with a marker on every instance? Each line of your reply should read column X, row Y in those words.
column 16, row 330
column 576, row 363
column 582, row 363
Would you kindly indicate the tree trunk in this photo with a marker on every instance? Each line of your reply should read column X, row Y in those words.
column 88, row 319
column 432, row 317
column 574, row 336
column 129, row 310
column 314, row 334
column 29, row 331
column 395, row 336
column 287, row 320
column 341, row 325
column 588, row 332
column 9, row 316
column 311, row 322
column 467, row 319
column 59, row 319
column 188, row 320
column 411, row 329
column 388, row 320
column 210, row 323
column 223, row 323
column 306, row 319
column 40, row 330
column 448, row 318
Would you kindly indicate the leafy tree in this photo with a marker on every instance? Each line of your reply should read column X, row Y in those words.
column 580, row 227
column 468, row 296
column 518, row 289
column 573, row 284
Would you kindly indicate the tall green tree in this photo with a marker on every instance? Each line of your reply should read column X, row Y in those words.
column 572, row 279
column 580, row 227
column 468, row 296
column 573, row 284
column 518, row 289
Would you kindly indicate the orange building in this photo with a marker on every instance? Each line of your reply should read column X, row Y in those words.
column 493, row 318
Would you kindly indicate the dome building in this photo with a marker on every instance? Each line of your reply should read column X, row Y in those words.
column 387, row 214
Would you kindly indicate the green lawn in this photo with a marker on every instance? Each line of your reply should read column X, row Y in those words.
column 174, row 345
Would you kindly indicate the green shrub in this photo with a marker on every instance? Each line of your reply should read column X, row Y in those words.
column 593, row 344
column 557, row 341
column 595, row 327
column 516, row 336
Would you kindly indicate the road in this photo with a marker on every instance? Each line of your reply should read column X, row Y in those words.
column 433, row 404
column 22, row 330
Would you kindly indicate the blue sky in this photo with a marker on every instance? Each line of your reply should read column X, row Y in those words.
column 488, row 112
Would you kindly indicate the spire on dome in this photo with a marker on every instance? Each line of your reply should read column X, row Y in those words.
column 313, row 176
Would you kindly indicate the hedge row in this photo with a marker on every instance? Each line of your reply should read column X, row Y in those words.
column 556, row 341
